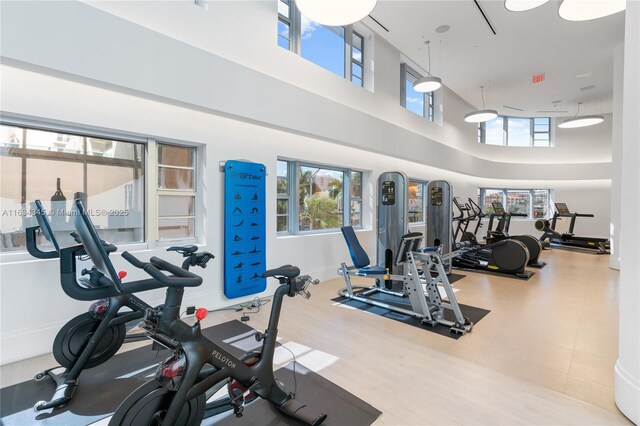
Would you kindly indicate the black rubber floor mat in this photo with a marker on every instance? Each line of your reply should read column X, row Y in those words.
column 471, row 312
column 102, row 389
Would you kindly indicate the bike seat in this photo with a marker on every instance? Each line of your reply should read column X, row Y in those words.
column 184, row 249
column 288, row 271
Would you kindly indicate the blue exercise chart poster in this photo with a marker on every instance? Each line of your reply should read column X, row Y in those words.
column 244, row 228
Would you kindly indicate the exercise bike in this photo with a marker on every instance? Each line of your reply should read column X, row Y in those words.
column 92, row 338
column 177, row 396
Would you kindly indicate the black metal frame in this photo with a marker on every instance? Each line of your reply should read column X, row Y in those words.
column 67, row 381
column 199, row 351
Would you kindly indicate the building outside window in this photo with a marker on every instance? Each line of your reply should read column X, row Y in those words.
column 56, row 167
column 326, row 197
column 535, row 203
column 339, row 50
column 419, row 103
column 516, row 131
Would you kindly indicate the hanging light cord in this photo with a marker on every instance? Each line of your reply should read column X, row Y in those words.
column 578, row 111
column 429, row 55
column 482, row 94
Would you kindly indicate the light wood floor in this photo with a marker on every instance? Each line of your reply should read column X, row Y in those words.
column 544, row 355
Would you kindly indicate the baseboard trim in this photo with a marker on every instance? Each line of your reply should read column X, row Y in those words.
column 627, row 393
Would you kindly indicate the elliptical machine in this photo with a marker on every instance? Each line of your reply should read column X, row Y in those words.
column 502, row 232
column 90, row 339
column 506, row 257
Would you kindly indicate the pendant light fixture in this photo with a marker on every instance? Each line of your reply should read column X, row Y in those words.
column 522, row 5
column 335, row 13
column 481, row 115
column 582, row 10
column 429, row 83
column 582, row 121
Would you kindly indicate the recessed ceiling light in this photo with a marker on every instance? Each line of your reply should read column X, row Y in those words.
column 443, row 29
column 556, row 102
column 522, row 5
column 581, row 10
column 585, row 75
column 582, row 89
column 335, row 12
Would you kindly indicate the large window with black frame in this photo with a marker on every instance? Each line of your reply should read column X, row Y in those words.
column 339, row 50
column 315, row 198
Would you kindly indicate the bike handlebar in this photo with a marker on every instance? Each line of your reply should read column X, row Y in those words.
column 134, row 260
column 180, row 277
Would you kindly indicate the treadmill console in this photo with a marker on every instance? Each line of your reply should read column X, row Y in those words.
column 562, row 208
column 498, row 208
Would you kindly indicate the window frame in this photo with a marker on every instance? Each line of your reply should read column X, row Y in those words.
column 186, row 192
column 150, row 184
column 293, row 189
column 423, row 185
column 286, row 196
column 505, row 201
column 428, row 99
column 294, row 22
column 286, row 20
column 482, row 132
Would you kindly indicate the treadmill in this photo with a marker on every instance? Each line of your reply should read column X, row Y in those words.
column 568, row 239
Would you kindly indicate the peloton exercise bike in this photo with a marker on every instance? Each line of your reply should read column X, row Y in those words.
column 505, row 257
column 413, row 273
column 568, row 239
column 177, row 394
column 92, row 338
column 502, row 232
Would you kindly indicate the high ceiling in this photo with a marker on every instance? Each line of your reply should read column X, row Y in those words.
column 576, row 57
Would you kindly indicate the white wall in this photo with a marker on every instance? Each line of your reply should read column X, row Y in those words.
column 627, row 370
column 73, row 62
column 616, row 155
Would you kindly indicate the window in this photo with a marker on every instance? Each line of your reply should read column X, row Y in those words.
column 356, row 199
column 176, row 192
column 416, row 201
column 532, row 202
column 542, row 131
column 339, row 50
column 57, row 167
column 323, row 195
column 490, row 196
column 282, row 208
column 284, row 25
column 357, row 59
column 516, row 131
column 416, row 102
